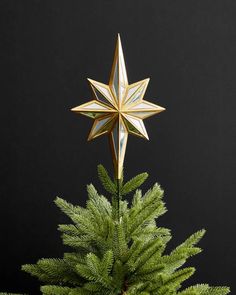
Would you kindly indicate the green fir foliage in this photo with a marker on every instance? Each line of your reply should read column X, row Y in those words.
column 117, row 248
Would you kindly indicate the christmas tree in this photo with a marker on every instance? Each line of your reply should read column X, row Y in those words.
column 117, row 247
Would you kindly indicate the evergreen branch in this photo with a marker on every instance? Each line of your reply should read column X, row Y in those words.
column 187, row 248
column 93, row 287
column 148, row 273
column 138, row 288
column 107, row 263
column 70, row 210
column 34, row 270
column 118, row 275
column 53, row 271
column 85, row 243
column 84, row 271
column 199, row 289
column 97, row 270
column 137, row 200
column 218, row 291
column 193, row 239
column 70, row 229
column 145, row 254
column 133, row 183
column 205, row 289
column 152, row 207
column 99, row 201
column 80, row 291
column 120, row 246
column 55, row 290
column 179, row 276
column 106, row 181
column 172, row 282
column 74, row 258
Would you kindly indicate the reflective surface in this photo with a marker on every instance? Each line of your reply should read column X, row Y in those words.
column 118, row 109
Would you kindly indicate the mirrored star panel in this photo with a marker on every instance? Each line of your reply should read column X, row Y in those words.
column 118, row 109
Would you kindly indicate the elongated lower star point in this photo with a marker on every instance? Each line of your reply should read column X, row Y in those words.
column 118, row 109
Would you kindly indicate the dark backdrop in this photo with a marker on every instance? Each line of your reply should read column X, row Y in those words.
column 48, row 49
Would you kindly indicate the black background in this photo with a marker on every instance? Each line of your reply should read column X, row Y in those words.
column 48, row 49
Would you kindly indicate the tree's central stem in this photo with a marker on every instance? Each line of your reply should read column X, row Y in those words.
column 118, row 200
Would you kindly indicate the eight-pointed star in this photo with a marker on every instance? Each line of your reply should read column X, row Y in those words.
column 118, row 109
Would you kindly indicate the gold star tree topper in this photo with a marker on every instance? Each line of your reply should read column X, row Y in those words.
column 118, row 109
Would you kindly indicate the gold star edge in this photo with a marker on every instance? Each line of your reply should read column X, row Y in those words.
column 118, row 109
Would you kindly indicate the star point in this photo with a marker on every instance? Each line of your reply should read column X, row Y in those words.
column 118, row 109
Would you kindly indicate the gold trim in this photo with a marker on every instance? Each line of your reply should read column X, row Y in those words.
column 119, row 109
